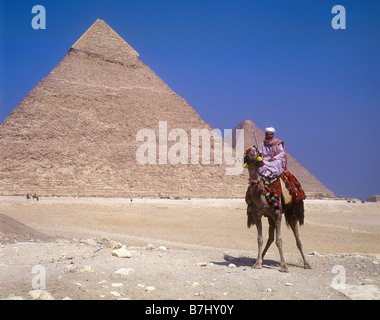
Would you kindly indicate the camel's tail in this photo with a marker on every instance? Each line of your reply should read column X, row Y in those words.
column 297, row 212
column 250, row 221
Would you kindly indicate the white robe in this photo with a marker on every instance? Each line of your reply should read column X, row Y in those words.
column 275, row 168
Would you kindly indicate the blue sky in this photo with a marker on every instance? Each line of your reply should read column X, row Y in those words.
column 278, row 63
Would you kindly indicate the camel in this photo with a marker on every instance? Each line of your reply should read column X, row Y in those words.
column 259, row 207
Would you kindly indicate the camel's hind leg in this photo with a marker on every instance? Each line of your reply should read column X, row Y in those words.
column 306, row 265
column 294, row 226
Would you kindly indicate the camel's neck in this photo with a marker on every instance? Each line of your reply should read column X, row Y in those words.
column 253, row 172
column 255, row 192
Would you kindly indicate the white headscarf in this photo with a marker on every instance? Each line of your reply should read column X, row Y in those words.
column 270, row 129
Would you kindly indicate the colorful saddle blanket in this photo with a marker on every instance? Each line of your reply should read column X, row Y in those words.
column 286, row 184
column 293, row 186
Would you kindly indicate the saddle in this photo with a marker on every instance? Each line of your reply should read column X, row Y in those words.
column 286, row 185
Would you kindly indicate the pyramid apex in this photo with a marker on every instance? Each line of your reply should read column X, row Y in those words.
column 245, row 124
column 101, row 40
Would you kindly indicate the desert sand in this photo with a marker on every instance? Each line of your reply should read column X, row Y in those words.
column 181, row 249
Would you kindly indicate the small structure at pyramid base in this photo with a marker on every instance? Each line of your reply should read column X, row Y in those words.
column 374, row 198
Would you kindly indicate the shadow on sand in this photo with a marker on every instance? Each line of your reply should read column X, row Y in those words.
column 246, row 262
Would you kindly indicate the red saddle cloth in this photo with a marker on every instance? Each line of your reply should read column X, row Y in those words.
column 274, row 188
column 293, row 186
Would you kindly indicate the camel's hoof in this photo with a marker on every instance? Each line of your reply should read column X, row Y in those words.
column 306, row 266
column 284, row 268
column 257, row 266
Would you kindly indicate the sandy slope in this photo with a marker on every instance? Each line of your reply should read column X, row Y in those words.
column 209, row 250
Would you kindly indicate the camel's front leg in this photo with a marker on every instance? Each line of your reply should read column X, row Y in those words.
column 270, row 238
column 260, row 242
column 284, row 267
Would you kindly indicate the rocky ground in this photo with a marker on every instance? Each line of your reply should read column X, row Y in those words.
column 176, row 249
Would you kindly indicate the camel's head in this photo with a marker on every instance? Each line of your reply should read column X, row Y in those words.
column 253, row 156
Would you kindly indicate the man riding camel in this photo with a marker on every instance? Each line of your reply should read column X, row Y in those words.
column 274, row 155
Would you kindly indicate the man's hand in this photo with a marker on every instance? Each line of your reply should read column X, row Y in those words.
column 272, row 159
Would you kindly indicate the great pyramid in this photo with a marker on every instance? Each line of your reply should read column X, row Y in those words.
column 76, row 132
column 312, row 186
